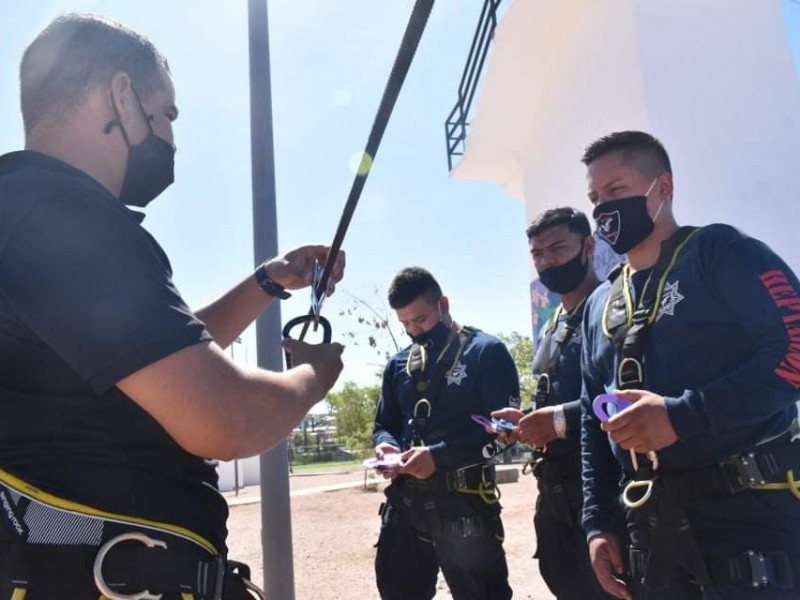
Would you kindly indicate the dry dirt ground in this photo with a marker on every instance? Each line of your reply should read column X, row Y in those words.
column 333, row 533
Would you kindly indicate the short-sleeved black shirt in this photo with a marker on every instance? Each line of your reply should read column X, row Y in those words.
column 86, row 299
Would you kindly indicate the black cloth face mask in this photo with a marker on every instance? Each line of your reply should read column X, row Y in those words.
column 435, row 336
column 151, row 164
column 562, row 279
column 624, row 223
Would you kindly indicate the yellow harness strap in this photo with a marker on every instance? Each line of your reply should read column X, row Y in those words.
column 790, row 484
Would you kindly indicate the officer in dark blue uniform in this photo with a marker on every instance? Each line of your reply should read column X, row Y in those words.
column 699, row 331
column 442, row 508
column 562, row 249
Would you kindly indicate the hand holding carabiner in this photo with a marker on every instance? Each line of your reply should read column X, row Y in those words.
column 296, row 268
column 324, row 359
column 611, row 407
column 644, row 426
column 303, row 320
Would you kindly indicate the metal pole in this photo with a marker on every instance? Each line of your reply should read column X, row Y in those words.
column 276, row 522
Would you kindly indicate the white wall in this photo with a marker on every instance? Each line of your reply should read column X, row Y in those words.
column 249, row 473
column 713, row 79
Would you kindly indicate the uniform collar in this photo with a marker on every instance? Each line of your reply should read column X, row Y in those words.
column 29, row 159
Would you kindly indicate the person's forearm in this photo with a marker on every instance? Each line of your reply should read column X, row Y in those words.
column 254, row 413
column 268, row 418
column 215, row 409
column 228, row 316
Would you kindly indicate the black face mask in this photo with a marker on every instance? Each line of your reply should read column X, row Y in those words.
column 151, row 164
column 565, row 278
column 151, row 170
column 435, row 337
column 624, row 223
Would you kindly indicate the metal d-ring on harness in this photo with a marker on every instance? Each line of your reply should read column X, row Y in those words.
column 100, row 581
column 402, row 63
column 231, row 568
column 419, row 370
column 627, row 328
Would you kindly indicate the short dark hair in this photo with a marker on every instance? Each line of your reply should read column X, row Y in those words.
column 639, row 150
column 575, row 220
column 75, row 54
column 412, row 283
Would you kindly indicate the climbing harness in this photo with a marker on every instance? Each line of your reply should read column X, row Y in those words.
column 627, row 328
column 140, row 559
column 665, row 495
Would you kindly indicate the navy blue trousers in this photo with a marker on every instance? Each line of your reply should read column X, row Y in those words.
column 407, row 563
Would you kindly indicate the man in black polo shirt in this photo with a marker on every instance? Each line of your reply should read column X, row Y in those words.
column 112, row 391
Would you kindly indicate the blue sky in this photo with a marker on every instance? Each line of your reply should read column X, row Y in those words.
column 330, row 61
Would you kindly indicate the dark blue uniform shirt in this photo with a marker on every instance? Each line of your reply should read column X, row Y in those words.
column 565, row 385
column 86, row 299
column 484, row 379
column 725, row 353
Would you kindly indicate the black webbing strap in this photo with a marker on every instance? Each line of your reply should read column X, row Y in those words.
column 752, row 569
column 627, row 325
column 51, row 568
column 402, row 63
column 756, row 570
column 545, row 363
column 671, row 538
column 428, row 375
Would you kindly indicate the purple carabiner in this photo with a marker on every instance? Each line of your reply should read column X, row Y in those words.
column 601, row 403
column 389, row 462
column 495, row 425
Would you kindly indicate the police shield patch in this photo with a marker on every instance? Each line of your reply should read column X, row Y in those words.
column 669, row 299
column 608, row 224
column 457, row 374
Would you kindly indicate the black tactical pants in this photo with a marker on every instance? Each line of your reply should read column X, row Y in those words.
column 561, row 543
column 470, row 555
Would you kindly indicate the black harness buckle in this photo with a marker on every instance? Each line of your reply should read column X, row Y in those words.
column 759, row 575
column 542, row 391
column 749, row 471
column 468, row 527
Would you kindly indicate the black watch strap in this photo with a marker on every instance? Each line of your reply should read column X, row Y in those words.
column 268, row 285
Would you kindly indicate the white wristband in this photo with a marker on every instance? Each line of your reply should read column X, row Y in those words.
column 560, row 422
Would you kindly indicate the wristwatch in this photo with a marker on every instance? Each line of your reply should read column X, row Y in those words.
column 273, row 289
